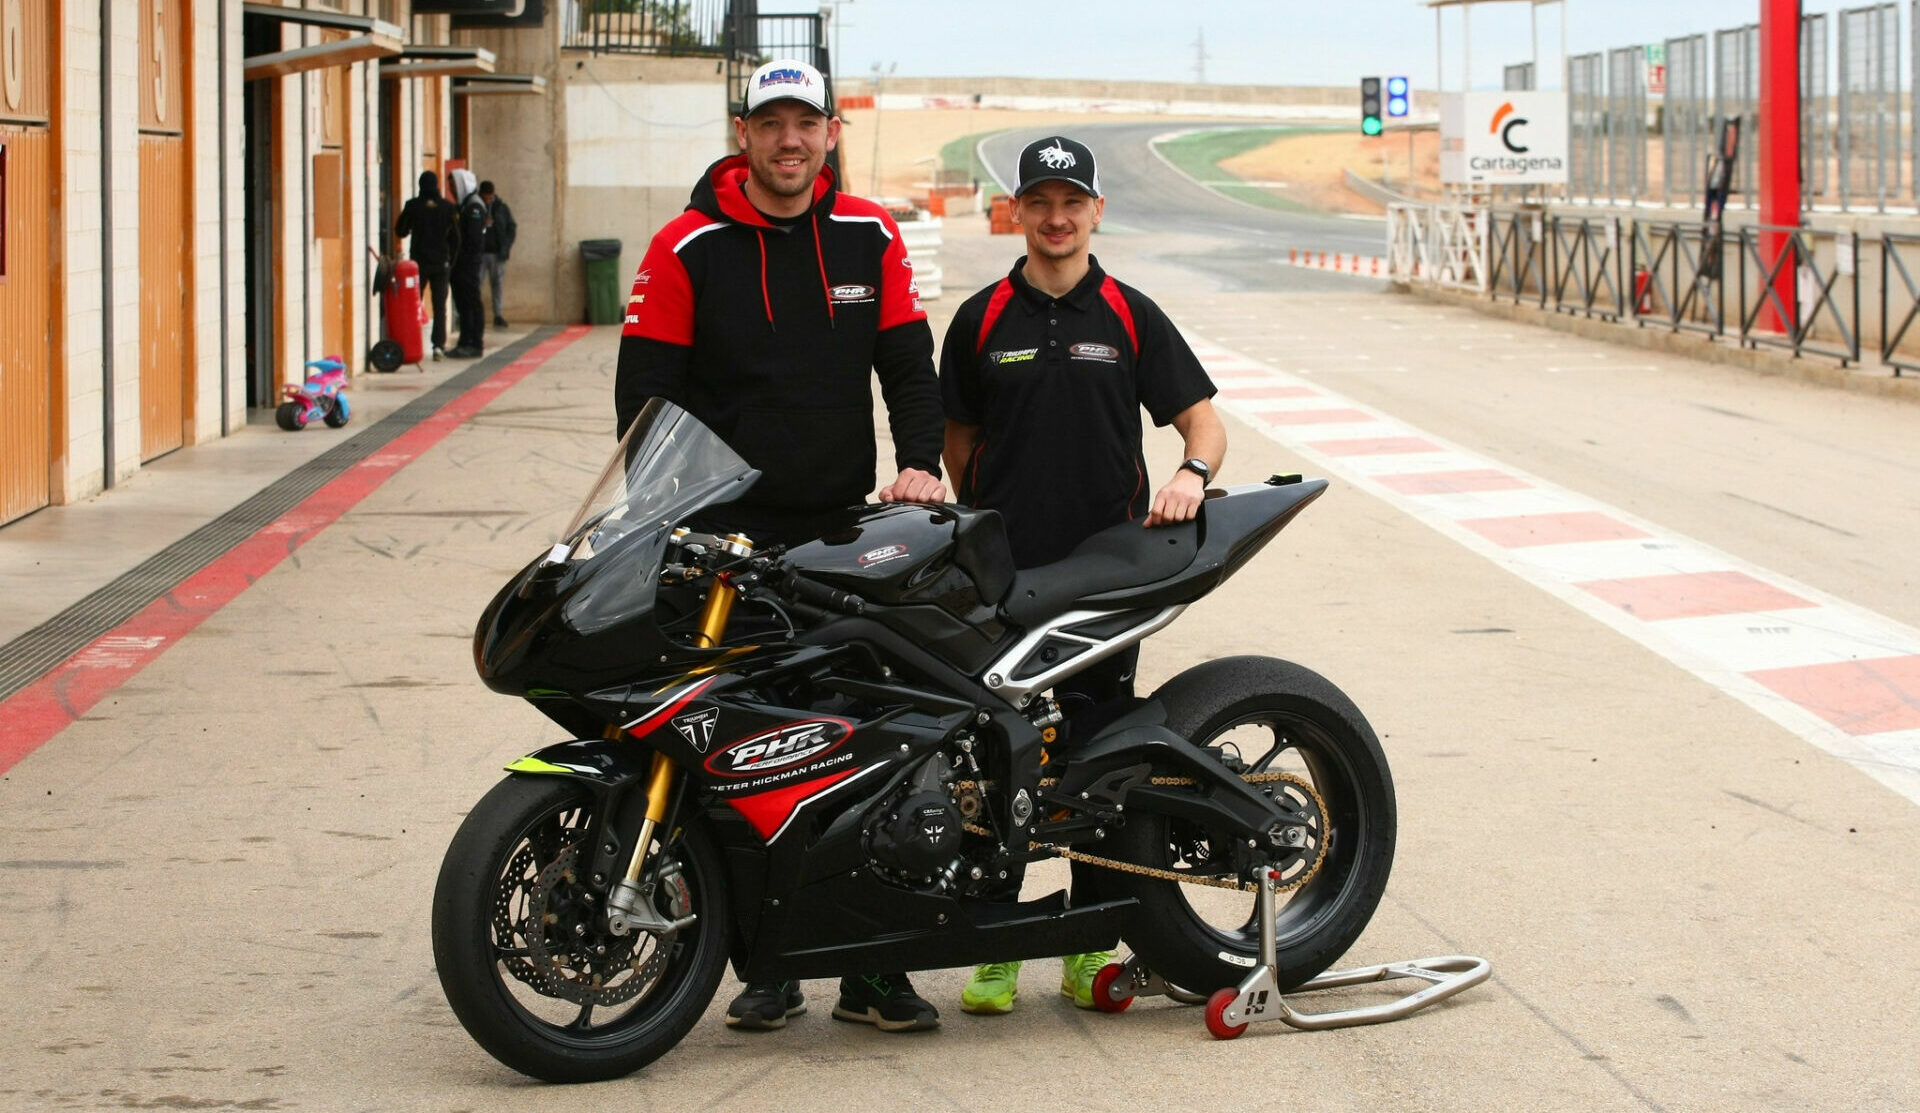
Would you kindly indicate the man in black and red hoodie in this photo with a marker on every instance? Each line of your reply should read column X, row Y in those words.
column 765, row 310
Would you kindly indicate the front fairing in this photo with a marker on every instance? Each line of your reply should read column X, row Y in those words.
column 582, row 617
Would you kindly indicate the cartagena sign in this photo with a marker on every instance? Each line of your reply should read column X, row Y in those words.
column 1504, row 138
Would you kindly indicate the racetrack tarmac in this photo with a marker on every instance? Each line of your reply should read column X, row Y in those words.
column 214, row 883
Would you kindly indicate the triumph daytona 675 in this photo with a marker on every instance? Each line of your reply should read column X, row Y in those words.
column 823, row 760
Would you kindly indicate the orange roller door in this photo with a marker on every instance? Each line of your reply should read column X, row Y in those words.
column 27, row 169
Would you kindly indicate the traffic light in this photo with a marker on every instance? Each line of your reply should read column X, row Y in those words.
column 1399, row 98
column 1370, row 106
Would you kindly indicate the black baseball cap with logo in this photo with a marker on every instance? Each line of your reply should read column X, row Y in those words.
column 1058, row 159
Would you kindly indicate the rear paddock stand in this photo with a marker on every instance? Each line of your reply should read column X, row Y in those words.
column 1229, row 1011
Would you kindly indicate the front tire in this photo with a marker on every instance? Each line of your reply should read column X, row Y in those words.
column 516, row 927
column 1283, row 718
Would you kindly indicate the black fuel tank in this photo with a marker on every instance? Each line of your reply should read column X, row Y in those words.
column 936, row 573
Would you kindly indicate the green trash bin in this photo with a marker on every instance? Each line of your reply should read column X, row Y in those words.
column 604, row 291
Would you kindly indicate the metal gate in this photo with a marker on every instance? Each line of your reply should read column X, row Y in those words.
column 27, row 167
column 166, row 232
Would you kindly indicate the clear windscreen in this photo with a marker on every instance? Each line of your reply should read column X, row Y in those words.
column 667, row 467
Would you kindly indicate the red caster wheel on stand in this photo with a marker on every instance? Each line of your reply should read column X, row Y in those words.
column 1217, row 1007
column 1104, row 997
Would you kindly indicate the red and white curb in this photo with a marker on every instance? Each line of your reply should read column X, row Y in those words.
column 1371, row 265
column 1839, row 676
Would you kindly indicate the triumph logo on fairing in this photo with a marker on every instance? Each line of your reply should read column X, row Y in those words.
column 780, row 747
column 697, row 727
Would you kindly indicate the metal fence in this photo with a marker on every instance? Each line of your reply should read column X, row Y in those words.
column 1586, row 125
column 1816, row 124
column 1685, row 118
column 670, row 27
column 1764, row 287
column 1736, row 93
column 1899, row 258
column 1517, row 77
column 1626, row 124
column 1859, row 116
column 1870, row 163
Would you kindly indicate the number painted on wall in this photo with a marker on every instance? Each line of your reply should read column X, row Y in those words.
column 13, row 49
column 159, row 61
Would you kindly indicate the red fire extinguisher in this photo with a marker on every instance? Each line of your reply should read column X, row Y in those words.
column 404, row 313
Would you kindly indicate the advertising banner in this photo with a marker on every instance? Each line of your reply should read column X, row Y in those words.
column 1504, row 138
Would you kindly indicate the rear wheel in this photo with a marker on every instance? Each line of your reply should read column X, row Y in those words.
column 524, row 955
column 1276, row 717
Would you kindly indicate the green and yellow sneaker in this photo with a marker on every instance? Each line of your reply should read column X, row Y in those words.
column 992, row 989
column 1076, row 976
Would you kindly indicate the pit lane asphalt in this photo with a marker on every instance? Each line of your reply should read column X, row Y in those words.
column 214, row 884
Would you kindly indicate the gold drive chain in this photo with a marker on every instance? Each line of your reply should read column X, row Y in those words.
column 1306, row 875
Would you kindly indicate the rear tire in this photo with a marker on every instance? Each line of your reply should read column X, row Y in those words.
column 518, row 996
column 1313, row 730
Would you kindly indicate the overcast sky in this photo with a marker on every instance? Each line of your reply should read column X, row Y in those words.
column 1265, row 42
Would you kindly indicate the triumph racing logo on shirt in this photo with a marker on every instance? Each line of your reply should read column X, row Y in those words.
column 1020, row 355
column 1101, row 352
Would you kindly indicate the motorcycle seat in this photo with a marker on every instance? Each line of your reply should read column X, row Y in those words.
column 1117, row 557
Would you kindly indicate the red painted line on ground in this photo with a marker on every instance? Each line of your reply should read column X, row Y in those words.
column 1452, row 482
column 1859, row 697
column 1693, row 595
column 1524, row 530
column 35, row 714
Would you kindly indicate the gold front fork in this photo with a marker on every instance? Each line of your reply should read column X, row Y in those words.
column 630, row 906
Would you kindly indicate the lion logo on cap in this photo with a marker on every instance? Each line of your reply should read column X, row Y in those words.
column 1056, row 157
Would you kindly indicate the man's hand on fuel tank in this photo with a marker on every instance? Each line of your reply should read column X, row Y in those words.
column 1178, row 501
column 914, row 485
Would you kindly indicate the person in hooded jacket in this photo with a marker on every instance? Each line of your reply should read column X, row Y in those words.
column 472, row 223
column 429, row 219
column 765, row 310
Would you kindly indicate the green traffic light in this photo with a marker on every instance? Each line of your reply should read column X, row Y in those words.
column 1370, row 126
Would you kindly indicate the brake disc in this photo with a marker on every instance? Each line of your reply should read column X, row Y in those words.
column 568, row 953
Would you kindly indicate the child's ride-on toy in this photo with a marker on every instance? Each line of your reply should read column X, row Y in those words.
column 322, row 396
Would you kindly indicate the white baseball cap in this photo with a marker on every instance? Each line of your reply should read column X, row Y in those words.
column 787, row 79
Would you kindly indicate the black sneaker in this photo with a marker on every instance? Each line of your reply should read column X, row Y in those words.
column 500, row 322
column 886, row 1001
column 766, row 1006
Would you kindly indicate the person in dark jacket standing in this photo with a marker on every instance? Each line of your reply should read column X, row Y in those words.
column 501, row 231
column 429, row 219
column 765, row 310
column 1044, row 375
column 472, row 222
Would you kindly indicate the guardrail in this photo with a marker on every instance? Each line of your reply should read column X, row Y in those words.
column 1443, row 245
column 1676, row 269
column 1893, row 262
column 1585, row 263
column 1792, row 288
column 1517, row 255
column 1824, row 284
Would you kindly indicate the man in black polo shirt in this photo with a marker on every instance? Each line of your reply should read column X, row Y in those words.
column 1043, row 375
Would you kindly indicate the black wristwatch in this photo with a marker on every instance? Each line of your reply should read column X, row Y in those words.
column 1198, row 467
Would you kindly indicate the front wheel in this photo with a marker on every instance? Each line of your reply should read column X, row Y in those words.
column 1276, row 717
column 524, row 955
column 339, row 414
column 291, row 416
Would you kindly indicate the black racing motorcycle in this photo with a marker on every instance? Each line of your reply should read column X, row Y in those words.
column 825, row 760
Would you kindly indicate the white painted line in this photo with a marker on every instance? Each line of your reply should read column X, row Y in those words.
column 1839, row 676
